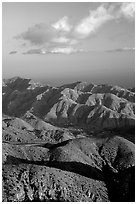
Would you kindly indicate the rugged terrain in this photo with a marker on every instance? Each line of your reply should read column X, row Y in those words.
column 69, row 143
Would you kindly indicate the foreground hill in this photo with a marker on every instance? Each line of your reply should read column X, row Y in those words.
column 84, row 169
column 18, row 130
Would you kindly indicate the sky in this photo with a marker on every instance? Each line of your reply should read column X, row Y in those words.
column 63, row 42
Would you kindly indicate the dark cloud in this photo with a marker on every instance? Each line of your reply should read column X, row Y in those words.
column 12, row 52
column 39, row 34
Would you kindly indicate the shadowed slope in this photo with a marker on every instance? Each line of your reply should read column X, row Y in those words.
column 107, row 160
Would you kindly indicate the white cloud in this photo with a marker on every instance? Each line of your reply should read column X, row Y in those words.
column 128, row 49
column 56, row 50
column 127, row 10
column 101, row 15
column 63, row 50
column 62, row 25
column 90, row 24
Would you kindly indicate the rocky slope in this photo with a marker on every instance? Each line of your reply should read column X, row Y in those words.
column 69, row 143
column 84, row 169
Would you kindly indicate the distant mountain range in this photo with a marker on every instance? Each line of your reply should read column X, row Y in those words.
column 77, row 104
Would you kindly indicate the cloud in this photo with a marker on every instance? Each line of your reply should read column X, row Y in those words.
column 71, row 50
column 101, row 15
column 55, row 50
column 91, row 23
column 62, row 25
column 42, row 34
column 39, row 34
column 127, row 10
column 60, row 36
column 123, row 49
column 12, row 52
column 65, row 50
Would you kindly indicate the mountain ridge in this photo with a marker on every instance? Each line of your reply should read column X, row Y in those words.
column 64, row 104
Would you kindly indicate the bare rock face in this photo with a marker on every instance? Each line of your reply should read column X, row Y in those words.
column 73, row 143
